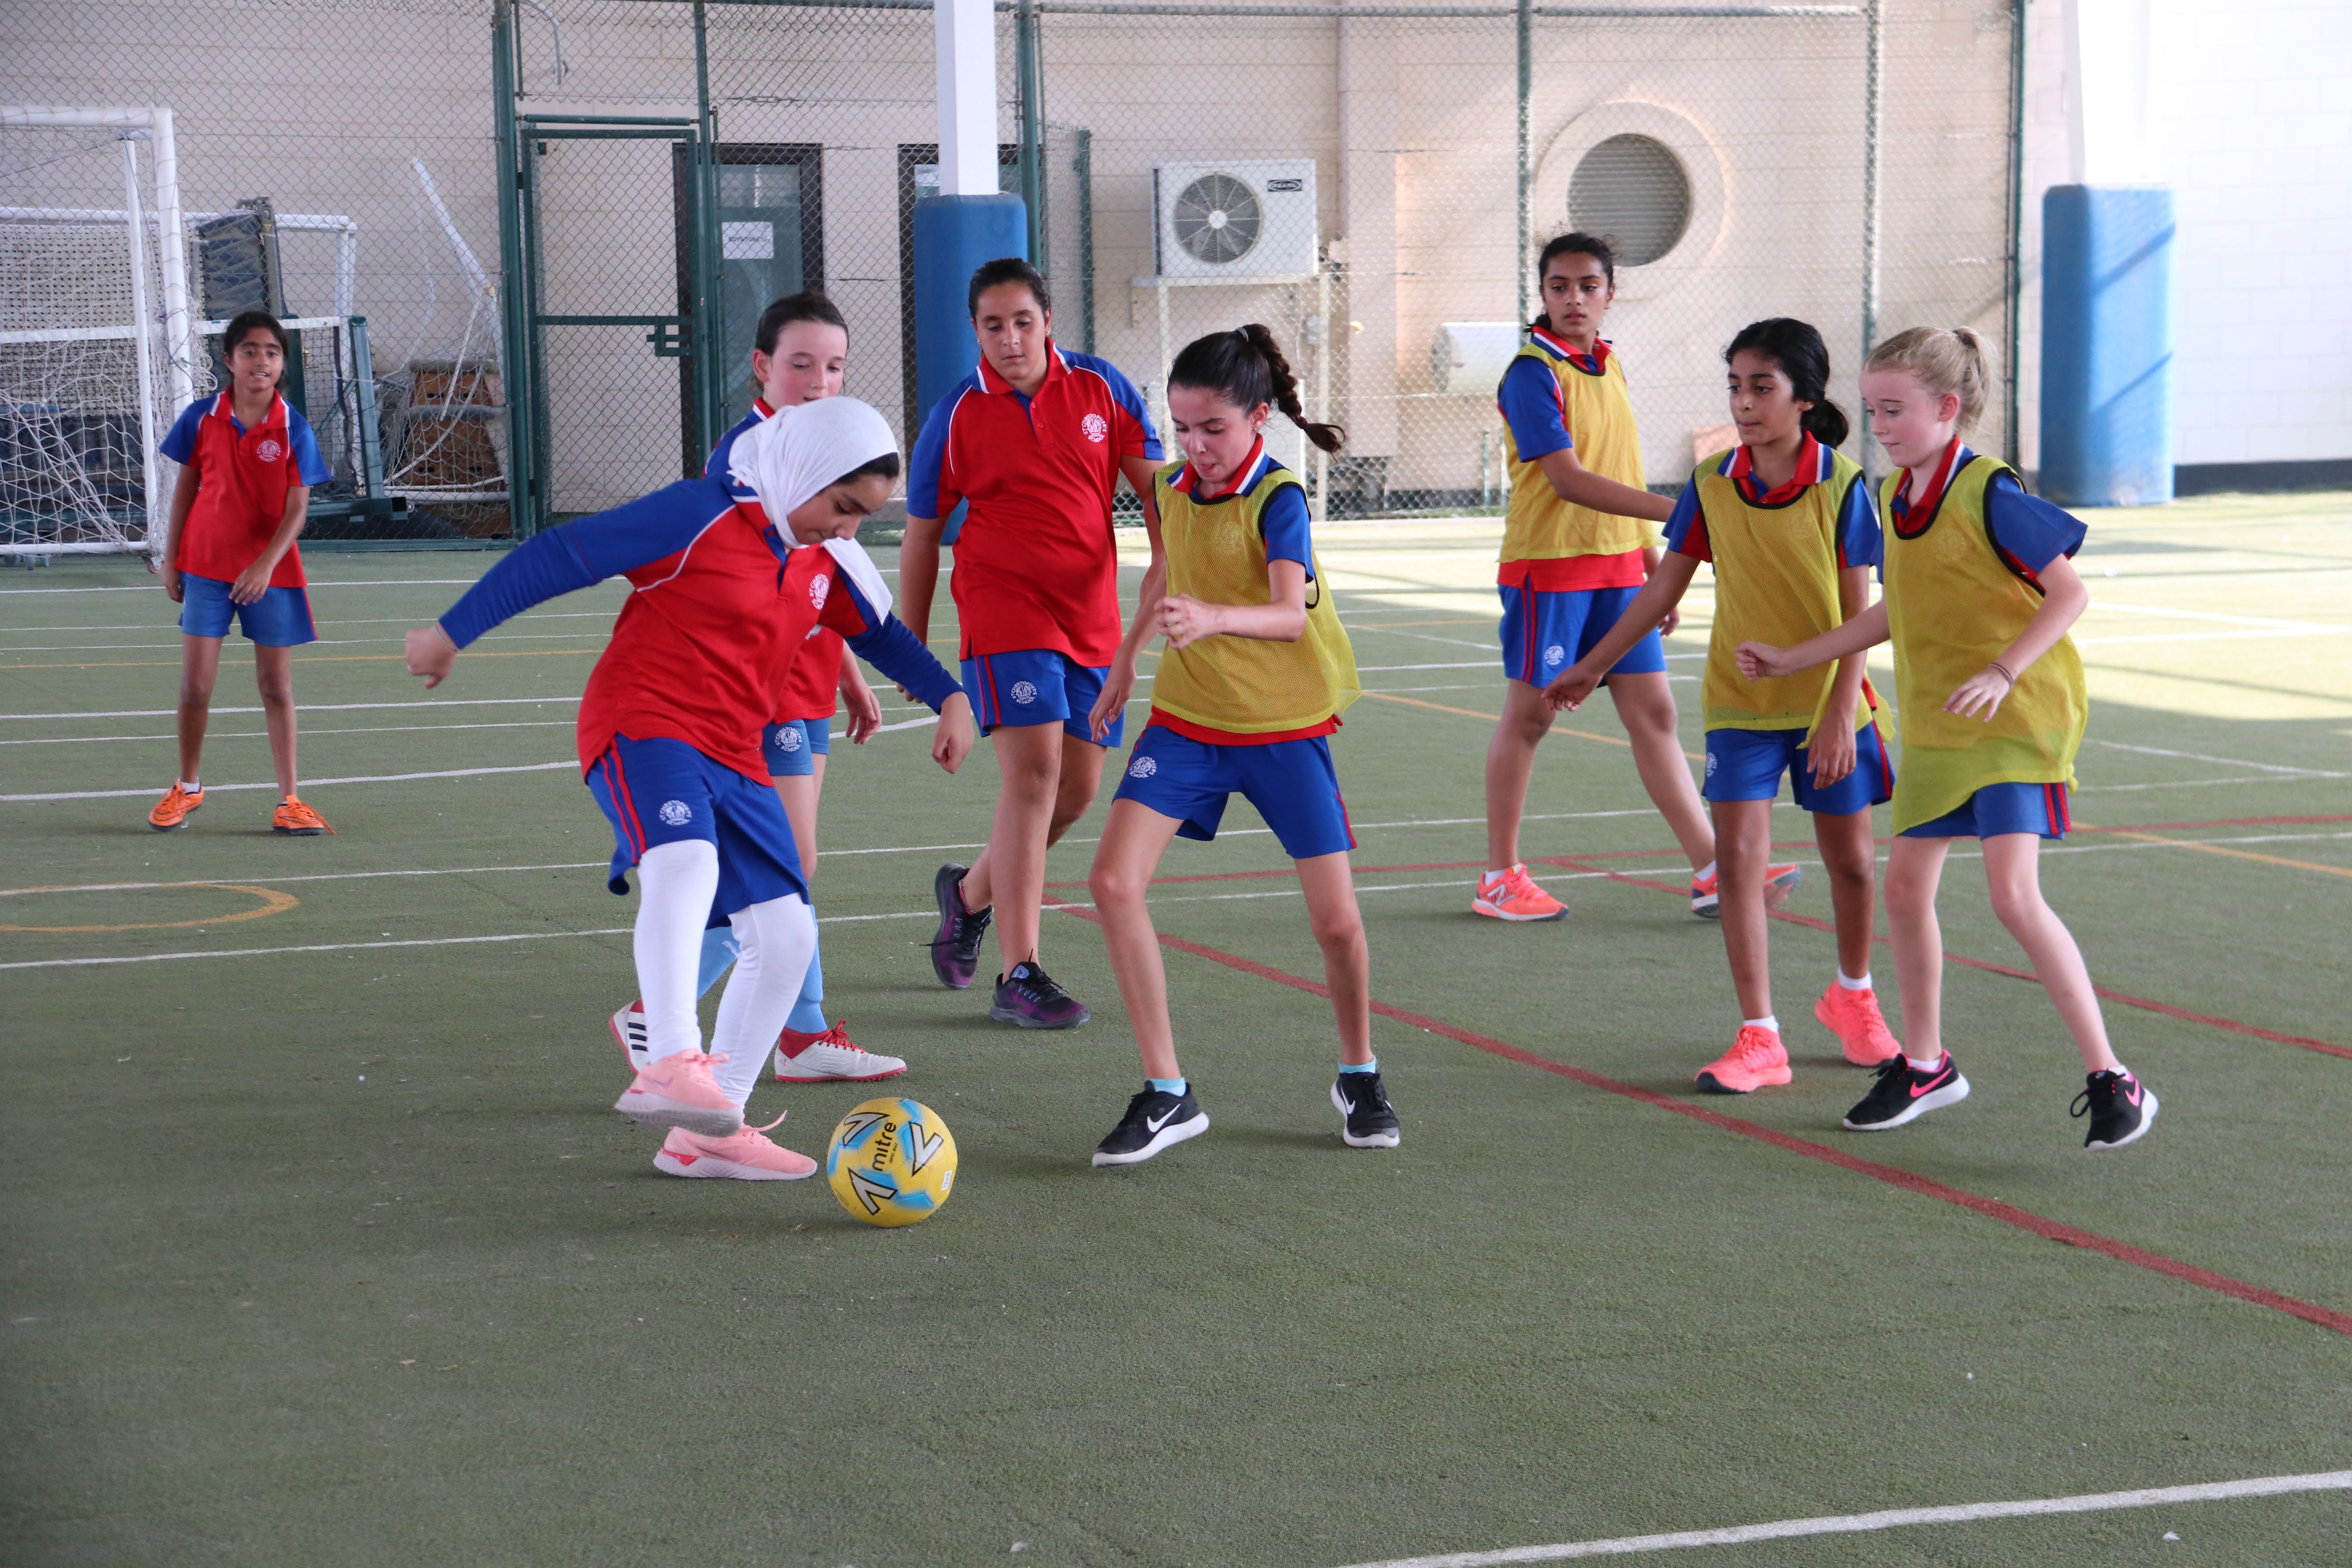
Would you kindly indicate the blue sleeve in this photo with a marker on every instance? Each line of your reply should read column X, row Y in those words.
column 1529, row 398
column 308, row 466
column 1687, row 530
column 1287, row 530
column 1859, row 541
column 2028, row 530
column 1123, row 392
column 180, row 444
column 895, row 650
column 930, row 454
column 583, row 553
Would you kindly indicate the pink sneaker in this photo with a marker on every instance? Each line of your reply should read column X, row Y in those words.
column 1854, row 1018
column 746, row 1154
column 1511, row 894
column 1755, row 1059
column 678, row 1091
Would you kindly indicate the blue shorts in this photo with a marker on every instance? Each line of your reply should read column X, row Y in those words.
column 793, row 746
column 665, row 792
column 1996, row 809
column 1291, row 782
column 1543, row 634
column 279, row 618
column 1037, row 686
column 1746, row 765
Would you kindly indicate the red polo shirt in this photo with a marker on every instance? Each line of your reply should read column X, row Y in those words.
column 242, row 477
column 1035, row 566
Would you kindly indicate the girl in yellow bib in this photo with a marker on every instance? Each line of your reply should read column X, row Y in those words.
column 1578, row 542
column 1980, row 590
column 1256, row 673
column 1786, row 520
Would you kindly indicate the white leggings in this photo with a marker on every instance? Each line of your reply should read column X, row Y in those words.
column 676, row 884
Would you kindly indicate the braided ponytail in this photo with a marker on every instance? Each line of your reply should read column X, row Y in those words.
column 1247, row 366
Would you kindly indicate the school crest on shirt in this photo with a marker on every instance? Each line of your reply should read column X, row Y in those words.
column 1097, row 427
column 820, row 587
column 268, row 449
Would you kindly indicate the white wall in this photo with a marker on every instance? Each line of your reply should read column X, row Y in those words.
column 2255, row 135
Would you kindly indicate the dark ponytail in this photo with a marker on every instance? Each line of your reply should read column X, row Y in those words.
column 1576, row 244
column 1246, row 368
column 1797, row 348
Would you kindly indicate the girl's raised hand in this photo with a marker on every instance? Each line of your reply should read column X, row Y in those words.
column 431, row 654
column 952, row 742
column 1979, row 696
column 1760, row 661
column 1569, row 688
column 1185, row 620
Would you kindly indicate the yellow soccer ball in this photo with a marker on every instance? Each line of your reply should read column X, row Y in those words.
column 891, row 1161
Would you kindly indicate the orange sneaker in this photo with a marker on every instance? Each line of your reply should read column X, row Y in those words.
column 1756, row 1059
column 173, row 810
column 678, row 1091
column 297, row 820
column 1779, row 881
column 1512, row 895
column 746, row 1154
column 1854, row 1018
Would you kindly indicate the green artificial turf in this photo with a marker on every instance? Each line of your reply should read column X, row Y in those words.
column 339, row 1256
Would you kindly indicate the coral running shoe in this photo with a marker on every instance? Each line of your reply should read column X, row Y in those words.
column 1779, row 881
column 174, row 809
column 297, row 820
column 1756, row 1059
column 830, row 1056
column 629, row 1029
column 1512, row 895
column 1861, row 1028
column 678, row 1091
column 746, row 1154
column 2120, row 1108
column 955, row 947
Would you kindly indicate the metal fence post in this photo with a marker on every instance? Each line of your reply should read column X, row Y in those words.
column 704, row 248
column 1873, row 94
column 1029, row 74
column 514, row 282
column 2013, row 278
column 1521, row 261
column 364, row 408
column 1082, row 164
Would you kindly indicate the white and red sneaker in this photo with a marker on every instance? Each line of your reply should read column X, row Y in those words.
column 746, row 1154
column 830, row 1056
column 678, row 1091
column 629, row 1030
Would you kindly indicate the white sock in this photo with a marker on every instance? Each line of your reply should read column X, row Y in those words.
column 676, row 883
column 1768, row 1021
column 1704, row 872
column 1861, row 985
column 778, row 940
column 1929, row 1065
column 192, row 786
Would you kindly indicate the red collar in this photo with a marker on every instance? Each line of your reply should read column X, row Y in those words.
column 1810, row 466
column 995, row 384
column 225, row 407
column 759, row 407
column 1945, row 465
column 1592, row 363
column 1187, row 482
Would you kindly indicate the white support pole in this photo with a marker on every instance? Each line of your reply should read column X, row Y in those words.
column 171, row 262
column 967, row 62
column 143, row 339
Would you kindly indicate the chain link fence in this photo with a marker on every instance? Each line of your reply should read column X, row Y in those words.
column 579, row 206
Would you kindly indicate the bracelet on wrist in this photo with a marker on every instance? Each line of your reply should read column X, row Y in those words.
column 2005, row 675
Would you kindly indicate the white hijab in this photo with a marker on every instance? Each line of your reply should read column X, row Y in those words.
column 792, row 457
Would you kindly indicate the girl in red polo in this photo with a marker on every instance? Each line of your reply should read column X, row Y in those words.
column 247, row 465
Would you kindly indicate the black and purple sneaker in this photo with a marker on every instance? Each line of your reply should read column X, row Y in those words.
column 955, row 949
column 1035, row 1000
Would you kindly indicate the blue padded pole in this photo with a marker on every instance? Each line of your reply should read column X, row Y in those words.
column 2107, row 345
column 954, row 234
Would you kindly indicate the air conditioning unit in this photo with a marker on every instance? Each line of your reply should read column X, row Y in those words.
column 1243, row 218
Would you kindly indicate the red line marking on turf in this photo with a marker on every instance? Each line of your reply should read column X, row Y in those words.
column 2165, row 1009
column 1894, row 1176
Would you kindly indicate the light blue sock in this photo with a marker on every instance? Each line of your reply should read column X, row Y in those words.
column 1167, row 1084
column 1372, row 1066
column 718, row 951
column 808, row 1013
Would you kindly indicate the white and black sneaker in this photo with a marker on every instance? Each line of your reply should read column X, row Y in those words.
column 1904, row 1093
column 1154, row 1120
column 2120, row 1108
column 1362, row 1101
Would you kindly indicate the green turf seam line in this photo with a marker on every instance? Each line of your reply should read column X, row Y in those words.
column 1885, row 1519
column 2163, row 1009
column 1910, row 1182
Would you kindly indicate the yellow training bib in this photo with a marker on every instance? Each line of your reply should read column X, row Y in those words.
column 1776, row 580
column 1595, row 405
column 1217, row 553
column 1952, row 606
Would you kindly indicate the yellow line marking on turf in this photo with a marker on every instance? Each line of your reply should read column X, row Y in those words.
column 1496, row 718
column 273, row 902
column 329, row 659
column 2217, row 849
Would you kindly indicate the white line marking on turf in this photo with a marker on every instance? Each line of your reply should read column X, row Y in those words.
column 314, row 642
column 307, row 733
column 303, row 707
column 157, row 587
column 1885, row 1518
column 2222, row 762
column 2269, row 621
column 307, row 783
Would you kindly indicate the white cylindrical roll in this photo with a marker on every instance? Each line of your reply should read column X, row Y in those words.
column 1468, row 358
